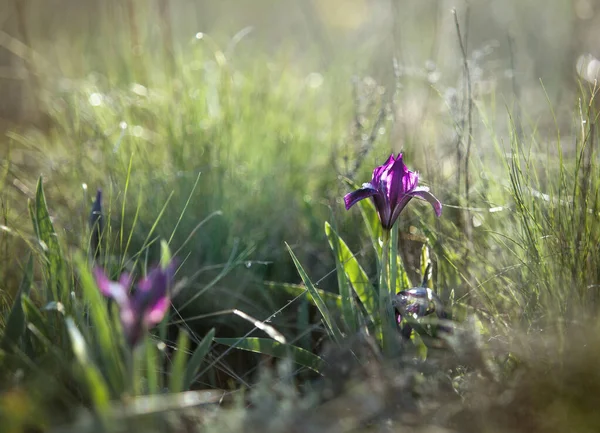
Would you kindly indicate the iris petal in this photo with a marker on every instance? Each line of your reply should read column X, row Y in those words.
column 392, row 186
column 111, row 289
column 157, row 311
column 377, row 172
column 354, row 197
column 424, row 194
column 397, row 184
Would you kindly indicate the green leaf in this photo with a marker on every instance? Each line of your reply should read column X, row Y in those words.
column 197, row 358
column 176, row 382
column 96, row 384
column 271, row 347
column 15, row 323
column 44, row 230
column 104, row 331
column 348, row 304
column 355, row 273
column 402, row 281
column 332, row 328
column 152, row 366
column 165, row 254
column 332, row 300
column 420, row 344
column 34, row 316
column 425, row 262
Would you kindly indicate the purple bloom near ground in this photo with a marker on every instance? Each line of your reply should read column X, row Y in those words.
column 393, row 185
column 144, row 307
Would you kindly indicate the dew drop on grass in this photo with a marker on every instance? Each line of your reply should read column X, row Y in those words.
column 137, row 131
column 248, row 264
column 314, row 80
column 95, row 99
column 139, row 90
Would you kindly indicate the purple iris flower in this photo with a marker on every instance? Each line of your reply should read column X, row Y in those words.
column 144, row 307
column 393, row 185
column 418, row 302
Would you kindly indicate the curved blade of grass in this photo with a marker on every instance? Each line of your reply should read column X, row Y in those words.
column 355, row 273
column 179, row 361
column 193, row 365
column 270, row 347
column 96, row 385
column 15, row 323
column 348, row 305
column 402, row 282
column 109, row 346
column 332, row 300
column 330, row 324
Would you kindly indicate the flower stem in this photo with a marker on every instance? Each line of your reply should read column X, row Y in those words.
column 386, row 311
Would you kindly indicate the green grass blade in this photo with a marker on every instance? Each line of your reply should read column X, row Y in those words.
column 96, row 385
column 187, row 203
column 34, row 316
column 178, row 369
column 108, row 345
column 44, row 230
column 348, row 304
column 15, row 323
column 271, row 347
column 355, row 273
column 394, row 261
column 152, row 367
column 372, row 223
column 329, row 322
column 402, row 281
column 425, row 262
column 332, row 300
column 193, row 365
column 165, row 254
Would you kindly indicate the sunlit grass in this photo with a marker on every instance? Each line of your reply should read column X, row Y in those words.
column 237, row 159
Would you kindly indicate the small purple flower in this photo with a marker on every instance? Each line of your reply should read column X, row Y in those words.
column 418, row 302
column 393, row 185
column 143, row 308
column 96, row 224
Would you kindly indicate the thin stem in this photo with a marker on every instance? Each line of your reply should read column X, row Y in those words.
column 131, row 371
column 386, row 311
column 385, row 259
column 469, row 97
